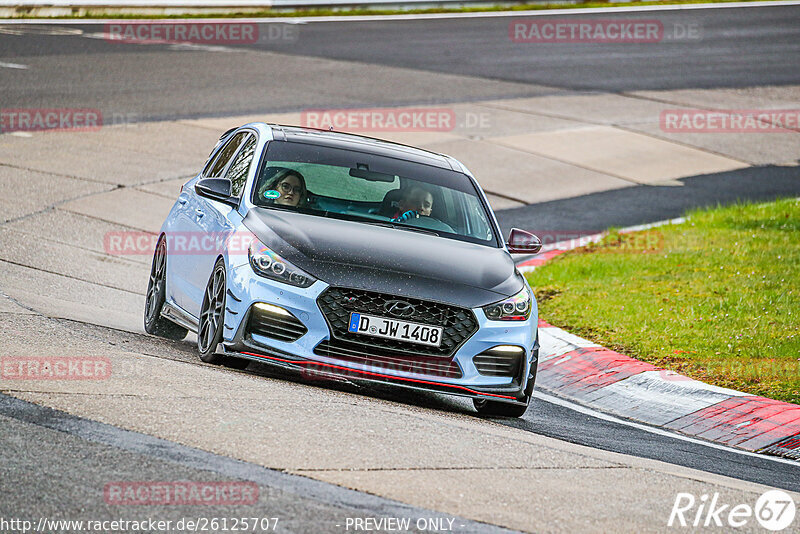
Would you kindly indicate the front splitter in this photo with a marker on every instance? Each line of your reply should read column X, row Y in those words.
column 333, row 371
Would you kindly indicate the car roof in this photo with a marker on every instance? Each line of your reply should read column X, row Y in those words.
column 362, row 143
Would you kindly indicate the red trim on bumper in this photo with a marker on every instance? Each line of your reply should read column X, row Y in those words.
column 390, row 377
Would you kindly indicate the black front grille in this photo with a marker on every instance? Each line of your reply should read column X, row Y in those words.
column 283, row 327
column 458, row 324
column 490, row 363
column 378, row 360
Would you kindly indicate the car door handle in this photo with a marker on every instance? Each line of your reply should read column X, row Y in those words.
column 199, row 213
column 182, row 201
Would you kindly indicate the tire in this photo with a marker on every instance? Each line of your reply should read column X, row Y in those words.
column 212, row 316
column 212, row 320
column 156, row 295
column 235, row 363
column 501, row 409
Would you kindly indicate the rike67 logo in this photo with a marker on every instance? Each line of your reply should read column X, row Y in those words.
column 774, row 510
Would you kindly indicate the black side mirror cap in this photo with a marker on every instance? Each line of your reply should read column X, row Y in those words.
column 522, row 242
column 216, row 189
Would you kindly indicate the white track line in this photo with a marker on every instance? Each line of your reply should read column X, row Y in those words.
column 426, row 16
column 12, row 66
column 653, row 430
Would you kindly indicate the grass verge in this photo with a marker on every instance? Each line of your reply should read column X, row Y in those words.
column 716, row 298
column 327, row 12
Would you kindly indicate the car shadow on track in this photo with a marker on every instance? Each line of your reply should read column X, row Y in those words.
column 185, row 351
column 386, row 392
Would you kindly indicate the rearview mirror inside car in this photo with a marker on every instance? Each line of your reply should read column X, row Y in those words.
column 522, row 242
column 372, row 176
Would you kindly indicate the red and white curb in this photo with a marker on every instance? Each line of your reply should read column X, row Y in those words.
column 584, row 372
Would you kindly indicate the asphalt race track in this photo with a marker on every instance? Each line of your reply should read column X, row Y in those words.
column 202, row 430
column 737, row 48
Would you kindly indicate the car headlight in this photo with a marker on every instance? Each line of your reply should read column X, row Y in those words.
column 516, row 308
column 269, row 265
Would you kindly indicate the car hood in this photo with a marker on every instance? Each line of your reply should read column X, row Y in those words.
column 399, row 262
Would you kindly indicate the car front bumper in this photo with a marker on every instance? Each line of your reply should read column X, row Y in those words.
column 241, row 339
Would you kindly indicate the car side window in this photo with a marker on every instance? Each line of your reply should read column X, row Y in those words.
column 225, row 154
column 237, row 172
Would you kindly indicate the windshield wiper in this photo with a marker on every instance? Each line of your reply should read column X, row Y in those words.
column 416, row 229
column 395, row 225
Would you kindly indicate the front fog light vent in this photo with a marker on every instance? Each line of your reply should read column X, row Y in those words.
column 503, row 360
column 275, row 322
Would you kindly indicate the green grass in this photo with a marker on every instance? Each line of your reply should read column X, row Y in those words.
column 716, row 298
column 317, row 12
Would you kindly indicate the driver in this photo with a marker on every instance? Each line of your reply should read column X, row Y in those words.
column 417, row 202
column 286, row 188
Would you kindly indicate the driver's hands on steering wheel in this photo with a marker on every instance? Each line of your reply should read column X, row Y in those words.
column 410, row 214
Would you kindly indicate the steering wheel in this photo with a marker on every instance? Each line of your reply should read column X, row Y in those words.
column 431, row 223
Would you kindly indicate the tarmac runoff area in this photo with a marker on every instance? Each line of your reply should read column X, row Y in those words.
column 63, row 295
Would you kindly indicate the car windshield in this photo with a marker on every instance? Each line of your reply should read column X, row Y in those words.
column 371, row 189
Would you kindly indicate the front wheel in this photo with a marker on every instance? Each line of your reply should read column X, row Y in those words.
column 501, row 409
column 212, row 319
column 504, row 409
column 212, row 316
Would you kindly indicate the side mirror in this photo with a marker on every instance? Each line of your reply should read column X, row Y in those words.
column 522, row 242
column 216, row 189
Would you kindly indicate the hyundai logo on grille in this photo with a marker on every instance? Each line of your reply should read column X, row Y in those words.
column 399, row 308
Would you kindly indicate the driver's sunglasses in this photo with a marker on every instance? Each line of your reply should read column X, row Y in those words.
column 286, row 187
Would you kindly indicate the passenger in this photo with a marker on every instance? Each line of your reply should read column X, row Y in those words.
column 287, row 188
column 417, row 202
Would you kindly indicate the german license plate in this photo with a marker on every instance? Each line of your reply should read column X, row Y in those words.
column 394, row 329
